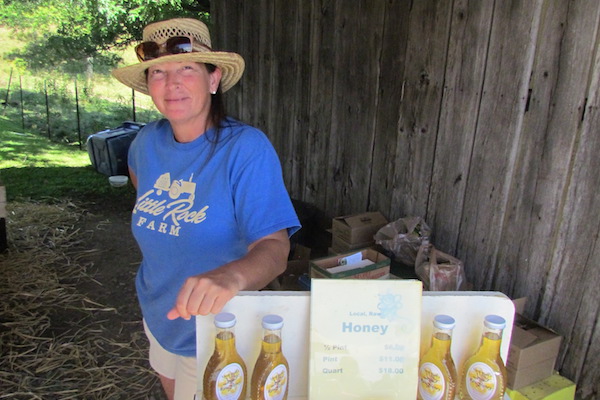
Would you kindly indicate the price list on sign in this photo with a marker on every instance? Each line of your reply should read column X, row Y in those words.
column 364, row 338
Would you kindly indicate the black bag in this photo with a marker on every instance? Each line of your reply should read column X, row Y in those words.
column 108, row 149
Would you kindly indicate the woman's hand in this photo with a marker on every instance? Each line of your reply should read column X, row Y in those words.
column 209, row 292
column 205, row 293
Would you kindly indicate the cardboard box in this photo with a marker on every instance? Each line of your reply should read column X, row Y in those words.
column 555, row 387
column 378, row 270
column 339, row 245
column 532, row 354
column 521, row 377
column 520, row 305
column 358, row 228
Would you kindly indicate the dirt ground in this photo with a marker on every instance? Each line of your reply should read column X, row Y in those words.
column 91, row 337
column 111, row 257
column 116, row 259
column 113, row 265
column 107, row 328
column 70, row 323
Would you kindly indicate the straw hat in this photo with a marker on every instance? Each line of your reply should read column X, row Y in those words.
column 231, row 64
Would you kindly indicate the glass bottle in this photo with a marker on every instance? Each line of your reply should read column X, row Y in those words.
column 271, row 371
column 484, row 374
column 437, row 373
column 225, row 373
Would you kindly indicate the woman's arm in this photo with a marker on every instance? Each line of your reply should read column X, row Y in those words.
column 133, row 178
column 209, row 292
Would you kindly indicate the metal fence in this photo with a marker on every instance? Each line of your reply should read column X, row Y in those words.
column 70, row 110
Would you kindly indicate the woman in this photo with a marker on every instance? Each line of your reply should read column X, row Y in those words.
column 212, row 215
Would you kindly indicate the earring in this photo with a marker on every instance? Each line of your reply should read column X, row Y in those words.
column 213, row 92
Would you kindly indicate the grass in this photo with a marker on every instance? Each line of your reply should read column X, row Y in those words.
column 52, row 108
column 35, row 168
column 9, row 42
column 66, row 108
column 44, row 124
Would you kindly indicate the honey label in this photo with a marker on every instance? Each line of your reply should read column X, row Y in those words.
column 230, row 382
column 481, row 381
column 431, row 382
column 276, row 383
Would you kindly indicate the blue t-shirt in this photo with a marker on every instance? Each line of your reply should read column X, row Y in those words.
column 199, row 205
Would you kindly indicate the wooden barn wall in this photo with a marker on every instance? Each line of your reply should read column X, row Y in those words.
column 481, row 116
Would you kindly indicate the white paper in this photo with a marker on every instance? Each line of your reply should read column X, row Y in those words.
column 351, row 259
column 348, row 267
column 365, row 338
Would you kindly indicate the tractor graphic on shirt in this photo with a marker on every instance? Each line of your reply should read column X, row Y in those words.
column 175, row 188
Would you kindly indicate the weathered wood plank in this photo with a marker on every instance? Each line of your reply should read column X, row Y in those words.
column 481, row 167
column 391, row 69
column 301, row 122
column 426, row 54
column 228, row 34
column 258, row 53
column 261, row 41
column 282, row 78
column 497, row 136
column 320, row 104
column 588, row 380
column 571, row 298
column 557, row 94
column 289, row 84
column 333, row 163
column 358, row 45
column 467, row 53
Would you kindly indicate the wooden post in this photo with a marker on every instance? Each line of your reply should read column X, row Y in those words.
column 3, row 236
column 78, row 119
column 133, row 103
column 22, row 106
column 8, row 88
column 47, row 110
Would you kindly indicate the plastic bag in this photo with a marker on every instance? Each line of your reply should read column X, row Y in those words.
column 439, row 271
column 403, row 238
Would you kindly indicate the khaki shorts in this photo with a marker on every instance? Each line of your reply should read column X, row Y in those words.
column 172, row 366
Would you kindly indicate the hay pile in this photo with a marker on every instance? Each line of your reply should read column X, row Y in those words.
column 54, row 341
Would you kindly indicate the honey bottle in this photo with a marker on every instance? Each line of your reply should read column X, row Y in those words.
column 270, row 377
column 225, row 373
column 437, row 373
column 484, row 374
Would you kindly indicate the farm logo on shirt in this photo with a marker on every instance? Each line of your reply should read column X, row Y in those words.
column 174, row 211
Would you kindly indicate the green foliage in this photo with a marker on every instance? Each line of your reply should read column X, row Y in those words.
column 31, row 16
column 69, row 55
column 73, row 36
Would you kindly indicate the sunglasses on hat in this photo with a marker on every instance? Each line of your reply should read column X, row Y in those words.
column 174, row 45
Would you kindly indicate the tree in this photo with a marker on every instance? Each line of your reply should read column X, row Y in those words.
column 68, row 34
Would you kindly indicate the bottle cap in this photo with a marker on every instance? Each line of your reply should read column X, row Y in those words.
column 224, row 320
column 444, row 322
column 272, row 322
column 494, row 322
